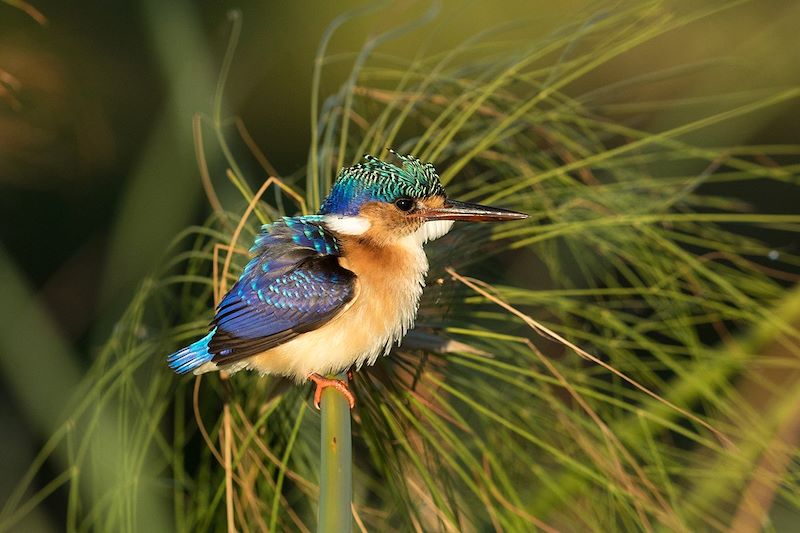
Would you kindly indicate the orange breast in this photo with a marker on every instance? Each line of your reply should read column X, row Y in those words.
column 390, row 280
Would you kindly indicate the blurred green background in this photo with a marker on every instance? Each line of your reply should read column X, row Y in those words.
column 98, row 171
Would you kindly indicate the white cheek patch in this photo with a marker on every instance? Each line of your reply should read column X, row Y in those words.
column 433, row 229
column 356, row 225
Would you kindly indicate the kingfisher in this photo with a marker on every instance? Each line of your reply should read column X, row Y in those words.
column 333, row 291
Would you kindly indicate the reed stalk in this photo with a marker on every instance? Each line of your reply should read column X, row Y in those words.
column 336, row 459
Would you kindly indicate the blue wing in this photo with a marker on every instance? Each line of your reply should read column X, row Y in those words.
column 294, row 284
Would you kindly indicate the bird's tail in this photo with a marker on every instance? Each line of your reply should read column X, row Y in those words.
column 193, row 356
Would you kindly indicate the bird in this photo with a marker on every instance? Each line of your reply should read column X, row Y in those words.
column 334, row 291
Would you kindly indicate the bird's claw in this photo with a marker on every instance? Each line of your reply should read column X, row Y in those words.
column 323, row 383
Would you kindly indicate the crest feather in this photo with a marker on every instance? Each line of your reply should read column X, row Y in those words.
column 375, row 180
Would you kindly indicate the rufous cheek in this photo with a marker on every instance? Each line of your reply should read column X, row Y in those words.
column 387, row 223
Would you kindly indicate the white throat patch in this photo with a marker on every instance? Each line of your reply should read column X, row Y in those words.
column 347, row 225
column 358, row 225
column 433, row 229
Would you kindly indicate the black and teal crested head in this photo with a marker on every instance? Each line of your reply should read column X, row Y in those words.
column 378, row 181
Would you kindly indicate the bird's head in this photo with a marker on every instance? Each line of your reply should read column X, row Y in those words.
column 381, row 203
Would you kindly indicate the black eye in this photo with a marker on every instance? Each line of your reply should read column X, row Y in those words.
column 404, row 204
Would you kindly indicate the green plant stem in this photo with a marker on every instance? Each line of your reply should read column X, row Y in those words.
column 336, row 459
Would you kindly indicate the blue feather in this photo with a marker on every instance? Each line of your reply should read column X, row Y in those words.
column 292, row 285
column 187, row 359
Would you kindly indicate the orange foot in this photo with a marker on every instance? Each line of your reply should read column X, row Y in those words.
column 323, row 383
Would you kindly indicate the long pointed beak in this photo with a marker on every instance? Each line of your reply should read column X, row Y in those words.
column 455, row 210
